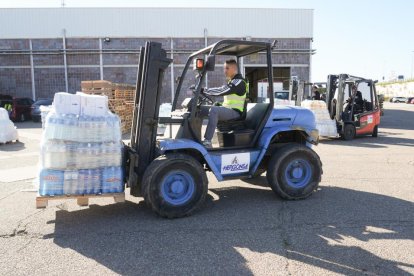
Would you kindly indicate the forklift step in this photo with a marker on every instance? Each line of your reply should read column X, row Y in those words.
column 82, row 200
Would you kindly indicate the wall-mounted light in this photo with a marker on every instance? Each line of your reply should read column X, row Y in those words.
column 107, row 40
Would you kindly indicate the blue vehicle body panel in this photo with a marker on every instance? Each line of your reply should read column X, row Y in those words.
column 283, row 118
column 177, row 144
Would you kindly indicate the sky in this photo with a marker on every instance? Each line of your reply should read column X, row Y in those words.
column 372, row 39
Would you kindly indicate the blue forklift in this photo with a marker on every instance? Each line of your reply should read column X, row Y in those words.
column 170, row 173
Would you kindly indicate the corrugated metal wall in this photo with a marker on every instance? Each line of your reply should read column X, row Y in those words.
column 155, row 22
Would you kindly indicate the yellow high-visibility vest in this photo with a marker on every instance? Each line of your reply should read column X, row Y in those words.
column 235, row 101
column 8, row 107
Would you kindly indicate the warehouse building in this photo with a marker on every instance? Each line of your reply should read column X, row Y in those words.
column 46, row 50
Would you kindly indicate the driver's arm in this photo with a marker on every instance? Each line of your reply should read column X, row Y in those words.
column 236, row 86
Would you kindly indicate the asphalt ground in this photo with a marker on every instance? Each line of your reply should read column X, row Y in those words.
column 360, row 220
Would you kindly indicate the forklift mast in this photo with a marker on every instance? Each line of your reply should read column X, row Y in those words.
column 331, row 86
column 153, row 62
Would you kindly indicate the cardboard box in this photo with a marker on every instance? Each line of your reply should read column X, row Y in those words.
column 93, row 105
column 66, row 103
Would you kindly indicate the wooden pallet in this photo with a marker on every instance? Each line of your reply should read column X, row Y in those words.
column 82, row 200
column 125, row 95
column 96, row 84
column 123, row 86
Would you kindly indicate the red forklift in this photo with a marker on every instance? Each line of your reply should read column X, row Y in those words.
column 353, row 103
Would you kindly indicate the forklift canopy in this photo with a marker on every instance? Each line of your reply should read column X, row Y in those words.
column 233, row 48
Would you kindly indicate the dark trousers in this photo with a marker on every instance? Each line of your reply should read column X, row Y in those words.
column 215, row 114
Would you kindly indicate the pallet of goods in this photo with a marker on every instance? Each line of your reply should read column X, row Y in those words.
column 8, row 132
column 120, row 98
column 324, row 123
column 81, row 151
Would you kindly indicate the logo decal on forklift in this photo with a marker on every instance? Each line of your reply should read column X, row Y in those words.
column 235, row 163
column 370, row 119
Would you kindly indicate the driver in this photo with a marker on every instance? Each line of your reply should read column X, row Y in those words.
column 234, row 93
column 358, row 101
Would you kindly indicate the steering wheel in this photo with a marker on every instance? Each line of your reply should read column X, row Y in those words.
column 203, row 98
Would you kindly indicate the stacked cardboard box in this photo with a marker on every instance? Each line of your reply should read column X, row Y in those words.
column 120, row 98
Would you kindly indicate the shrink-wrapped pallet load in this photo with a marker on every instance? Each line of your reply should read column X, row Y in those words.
column 81, row 148
column 324, row 123
column 8, row 131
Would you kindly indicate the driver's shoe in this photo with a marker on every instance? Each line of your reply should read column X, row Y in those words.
column 207, row 143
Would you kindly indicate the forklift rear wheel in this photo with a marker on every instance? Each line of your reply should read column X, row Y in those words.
column 375, row 132
column 294, row 171
column 175, row 185
column 348, row 132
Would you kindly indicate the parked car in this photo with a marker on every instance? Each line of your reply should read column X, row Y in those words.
column 398, row 99
column 410, row 100
column 19, row 108
column 36, row 114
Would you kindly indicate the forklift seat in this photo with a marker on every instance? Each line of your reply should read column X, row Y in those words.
column 234, row 124
column 241, row 132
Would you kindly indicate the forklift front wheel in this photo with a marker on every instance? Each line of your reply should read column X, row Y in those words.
column 294, row 171
column 348, row 132
column 175, row 185
column 375, row 131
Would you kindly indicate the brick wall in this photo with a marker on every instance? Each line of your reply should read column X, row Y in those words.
column 120, row 60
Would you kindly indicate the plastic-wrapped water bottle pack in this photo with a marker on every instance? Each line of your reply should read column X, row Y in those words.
column 60, row 155
column 83, row 181
column 84, row 129
column 81, row 154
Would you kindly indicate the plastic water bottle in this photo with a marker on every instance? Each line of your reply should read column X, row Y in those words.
column 70, row 152
column 116, row 154
column 96, row 181
column 71, row 183
column 92, row 181
column 96, row 156
column 81, row 129
column 103, row 152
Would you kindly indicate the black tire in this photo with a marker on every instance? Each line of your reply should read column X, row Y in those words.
column 349, row 132
column 375, row 131
column 278, row 169
column 157, row 177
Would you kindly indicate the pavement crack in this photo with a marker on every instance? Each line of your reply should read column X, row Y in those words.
column 286, row 218
column 12, row 193
column 20, row 229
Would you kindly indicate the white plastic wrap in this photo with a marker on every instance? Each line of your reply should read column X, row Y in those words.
column 44, row 110
column 81, row 154
column 324, row 123
column 8, row 130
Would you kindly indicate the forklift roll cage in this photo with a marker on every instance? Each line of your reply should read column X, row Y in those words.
column 339, row 82
column 235, row 48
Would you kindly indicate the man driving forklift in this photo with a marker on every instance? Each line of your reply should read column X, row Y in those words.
column 356, row 100
column 234, row 93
